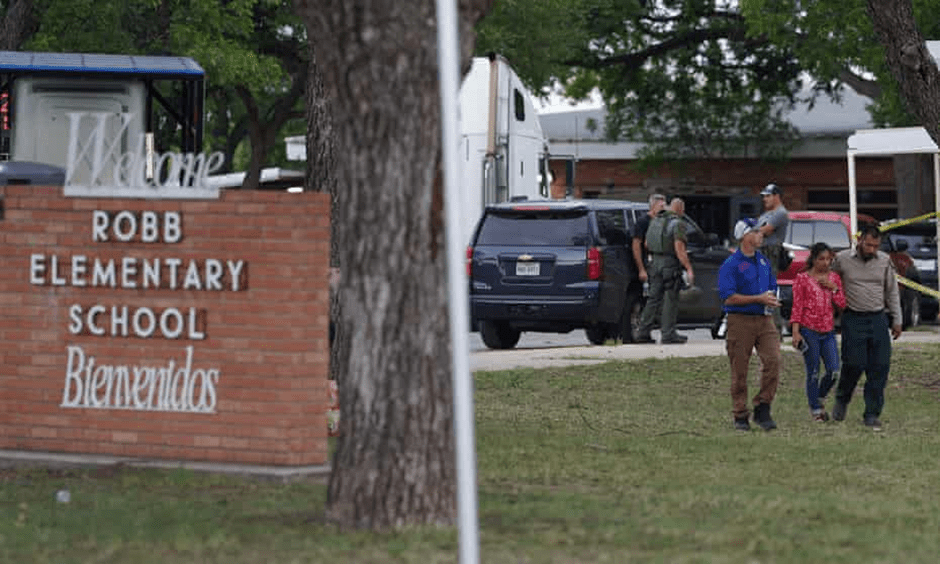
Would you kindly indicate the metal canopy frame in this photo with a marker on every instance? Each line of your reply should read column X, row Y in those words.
column 891, row 141
column 151, row 69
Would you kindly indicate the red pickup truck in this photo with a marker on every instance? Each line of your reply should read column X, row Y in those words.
column 833, row 228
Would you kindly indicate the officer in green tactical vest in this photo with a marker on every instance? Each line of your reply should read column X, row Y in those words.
column 666, row 243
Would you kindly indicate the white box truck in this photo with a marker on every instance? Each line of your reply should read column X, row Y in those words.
column 504, row 152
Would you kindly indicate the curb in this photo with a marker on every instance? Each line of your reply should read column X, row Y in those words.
column 577, row 355
column 13, row 458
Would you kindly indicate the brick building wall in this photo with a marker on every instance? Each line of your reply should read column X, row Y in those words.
column 799, row 177
column 222, row 357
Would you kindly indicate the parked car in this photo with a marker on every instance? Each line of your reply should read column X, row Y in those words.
column 919, row 240
column 556, row 266
column 809, row 227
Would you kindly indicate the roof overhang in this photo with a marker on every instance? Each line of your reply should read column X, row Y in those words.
column 90, row 64
column 893, row 141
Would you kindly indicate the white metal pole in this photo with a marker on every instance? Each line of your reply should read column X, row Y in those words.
column 449, row 77
column 853, row 201
column 936, row 208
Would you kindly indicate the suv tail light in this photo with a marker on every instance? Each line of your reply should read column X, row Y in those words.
column 469, row 260
column 595, row 263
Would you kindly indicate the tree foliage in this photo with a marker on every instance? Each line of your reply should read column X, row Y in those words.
column 253, row 52
column 836, row 44
column 683, row 76
column 701, row 77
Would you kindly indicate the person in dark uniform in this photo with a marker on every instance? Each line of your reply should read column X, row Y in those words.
column 657, row 203
column 666, row 242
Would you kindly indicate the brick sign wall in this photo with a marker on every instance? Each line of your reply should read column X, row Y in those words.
column 165, row 329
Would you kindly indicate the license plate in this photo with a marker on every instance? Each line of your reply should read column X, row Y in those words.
column 925, row 264
column 527, row 269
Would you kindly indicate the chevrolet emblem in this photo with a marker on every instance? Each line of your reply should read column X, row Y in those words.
column 524, row 257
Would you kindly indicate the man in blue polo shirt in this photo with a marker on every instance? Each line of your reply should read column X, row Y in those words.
column 747, row 288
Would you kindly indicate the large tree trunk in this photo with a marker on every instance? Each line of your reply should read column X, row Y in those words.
column 909, row 61
column 394, row 464
column 321, row 177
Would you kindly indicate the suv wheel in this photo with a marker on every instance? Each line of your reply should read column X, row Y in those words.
column 630, row 321
column 910, row 310
column 498, row 335
column 929, row 315
column 598, row 333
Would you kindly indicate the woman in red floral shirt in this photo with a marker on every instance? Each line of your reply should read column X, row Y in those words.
column 817, row 291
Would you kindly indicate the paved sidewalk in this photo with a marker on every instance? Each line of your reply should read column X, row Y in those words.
column 567, row 356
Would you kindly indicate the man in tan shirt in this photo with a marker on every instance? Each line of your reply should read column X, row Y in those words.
column 873, row 309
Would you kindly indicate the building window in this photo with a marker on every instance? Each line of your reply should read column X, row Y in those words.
column 880, row 202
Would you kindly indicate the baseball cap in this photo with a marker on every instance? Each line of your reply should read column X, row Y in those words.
column 770, row 189
column 744, row 226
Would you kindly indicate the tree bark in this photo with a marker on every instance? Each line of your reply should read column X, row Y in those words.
column 908, row 60
column 394, row 464
column 321, row 154
column 321, row 177
column 17, row 24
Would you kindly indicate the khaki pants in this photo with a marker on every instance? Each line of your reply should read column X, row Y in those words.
column 746, row 333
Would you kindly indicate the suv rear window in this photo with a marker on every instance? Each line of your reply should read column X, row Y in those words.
column 559, row 229
column 806, row 232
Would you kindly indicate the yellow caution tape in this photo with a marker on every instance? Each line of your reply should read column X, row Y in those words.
column 902, row 280
column 903, row 222
column 900, row 223
column 920, row 288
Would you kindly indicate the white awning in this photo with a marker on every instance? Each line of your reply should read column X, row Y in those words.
column 894, row 141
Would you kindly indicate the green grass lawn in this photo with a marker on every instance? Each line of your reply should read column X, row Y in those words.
column 620, row 462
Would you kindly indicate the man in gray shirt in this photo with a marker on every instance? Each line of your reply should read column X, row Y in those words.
column 773, row 225
column 871, row 293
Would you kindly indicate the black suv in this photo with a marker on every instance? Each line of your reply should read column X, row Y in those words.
column 555, row 266
column 919, row 240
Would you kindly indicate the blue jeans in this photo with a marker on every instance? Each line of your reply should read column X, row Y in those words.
column 819, row 345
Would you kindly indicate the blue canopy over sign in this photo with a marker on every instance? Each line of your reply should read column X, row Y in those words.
column 89, row 63
column 185, row 105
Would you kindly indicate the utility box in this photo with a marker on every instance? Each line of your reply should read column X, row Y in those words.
column 102, row 106
column 42, row 108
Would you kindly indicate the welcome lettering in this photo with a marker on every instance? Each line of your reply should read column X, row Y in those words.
column 95, row 166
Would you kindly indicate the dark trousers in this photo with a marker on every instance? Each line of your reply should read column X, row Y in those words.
column 745, row 334
column 866, row 347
